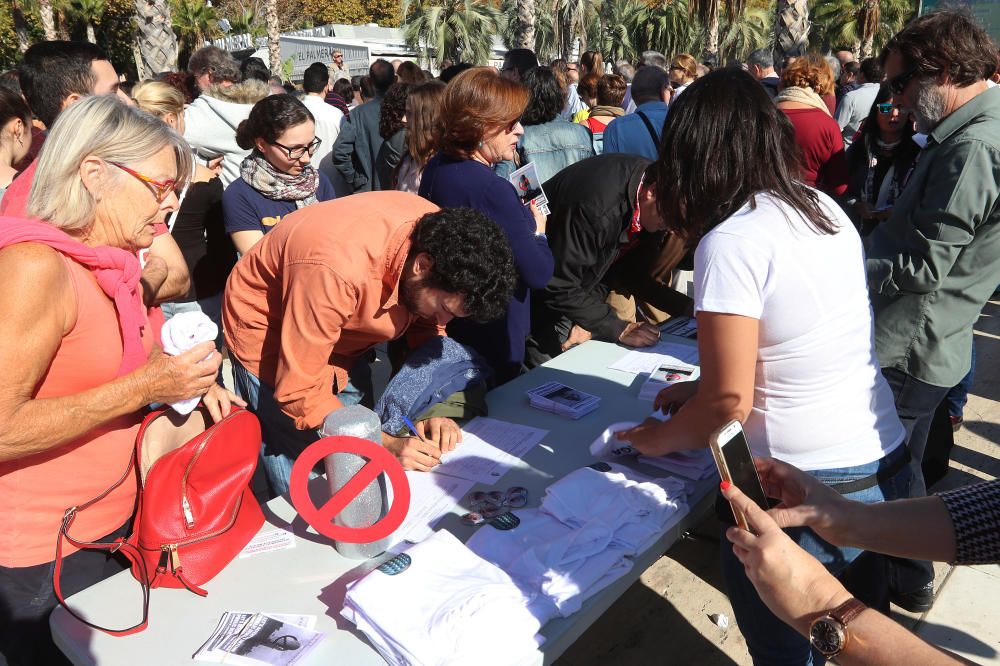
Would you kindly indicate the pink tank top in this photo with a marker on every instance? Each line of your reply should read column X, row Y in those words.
column 36, row 491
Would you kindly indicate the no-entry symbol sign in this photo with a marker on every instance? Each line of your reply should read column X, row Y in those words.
column 321, row 517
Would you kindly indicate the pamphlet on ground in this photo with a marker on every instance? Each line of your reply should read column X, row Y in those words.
column 489, row 448
column 639, row 361
column 250, row 639
column 525, row 181
column 664, row 375
column 432, row 497
column 563, row 400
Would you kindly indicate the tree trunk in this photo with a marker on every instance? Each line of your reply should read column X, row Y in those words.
column 712, row 38
column 273, row 36
column 526, row 24
column 791, row 28
column 91, row 37
column 21, row 28
column 869, row 15
column 48, row 19
column 155, row 38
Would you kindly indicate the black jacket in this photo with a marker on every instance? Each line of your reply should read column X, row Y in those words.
column 592, row 203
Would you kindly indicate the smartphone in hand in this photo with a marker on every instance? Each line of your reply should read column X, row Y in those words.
column 731, row 451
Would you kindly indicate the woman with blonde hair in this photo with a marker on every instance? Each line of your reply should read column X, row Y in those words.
column 197, row 225
column 481, row 120
column 682, row 72
column 800, row 96
column 80, row 358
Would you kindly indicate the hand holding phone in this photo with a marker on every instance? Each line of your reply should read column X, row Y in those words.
column 731, row 452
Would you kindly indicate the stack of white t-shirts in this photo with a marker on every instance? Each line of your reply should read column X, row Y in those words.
column 181, row 332
column 582, row 538
column 694, row 465
column 448, row 607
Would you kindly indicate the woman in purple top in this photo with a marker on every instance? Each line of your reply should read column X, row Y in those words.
column 481, row 118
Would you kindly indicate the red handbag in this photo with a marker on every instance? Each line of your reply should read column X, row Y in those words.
column 195, row 510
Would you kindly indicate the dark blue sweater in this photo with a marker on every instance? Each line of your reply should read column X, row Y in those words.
column 455, row 183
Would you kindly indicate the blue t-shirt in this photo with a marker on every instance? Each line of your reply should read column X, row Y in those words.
column 246, row 209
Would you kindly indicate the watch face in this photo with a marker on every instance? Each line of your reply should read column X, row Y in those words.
column 827, row 636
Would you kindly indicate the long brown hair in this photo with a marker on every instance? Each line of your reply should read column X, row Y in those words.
column 724, row 142
column 423, row 121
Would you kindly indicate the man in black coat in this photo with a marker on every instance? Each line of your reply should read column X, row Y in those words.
column 605, row 233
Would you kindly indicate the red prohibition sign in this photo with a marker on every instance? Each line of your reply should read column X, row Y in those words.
column 320, row 518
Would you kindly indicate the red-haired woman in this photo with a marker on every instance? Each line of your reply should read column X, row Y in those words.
column 481, row 121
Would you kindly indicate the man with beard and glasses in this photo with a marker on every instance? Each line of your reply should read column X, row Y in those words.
column 934, row 262
column 337, row 278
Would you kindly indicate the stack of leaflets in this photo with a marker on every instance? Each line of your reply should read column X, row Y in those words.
column 563, row 400
column 249, row 639
column 685, row 327
column 664, row 375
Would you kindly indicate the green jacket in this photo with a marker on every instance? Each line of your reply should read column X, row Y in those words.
column 934, row 263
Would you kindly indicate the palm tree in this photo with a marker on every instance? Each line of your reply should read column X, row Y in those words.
column 751, row 31
column 155, row 40
column 544, row 44
column 526, row 24
column 273, row 34
column 87, row 12
column 619, row 23
column 666, row 27
column 791, row 28
column 707, row 12
column 864, row 26
column 246, row 23
column 193, row 22
column 48, row 19
column 461, row 30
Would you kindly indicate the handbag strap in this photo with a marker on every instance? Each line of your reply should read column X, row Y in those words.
column 649, row 126
column 118, row 545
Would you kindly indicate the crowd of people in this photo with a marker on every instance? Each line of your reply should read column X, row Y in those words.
column 840, row 219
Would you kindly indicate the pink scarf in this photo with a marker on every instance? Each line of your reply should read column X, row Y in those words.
column 117, row 272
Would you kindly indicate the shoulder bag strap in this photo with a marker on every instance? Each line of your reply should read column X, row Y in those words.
column 649, row 126
column 119, row 545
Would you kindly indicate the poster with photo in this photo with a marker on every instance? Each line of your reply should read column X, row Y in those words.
column 525, row 181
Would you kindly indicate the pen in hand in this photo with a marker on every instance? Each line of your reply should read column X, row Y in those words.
column 413, row 429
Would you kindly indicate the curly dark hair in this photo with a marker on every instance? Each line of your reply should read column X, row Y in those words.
column 471, row 257
column 390, row 119
column 948, row 42
column 547, row 97
column 269, row 118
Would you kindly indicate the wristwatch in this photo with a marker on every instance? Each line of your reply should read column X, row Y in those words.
column 828, row 633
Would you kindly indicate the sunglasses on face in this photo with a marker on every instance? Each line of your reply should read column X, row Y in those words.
column 160, row 190
column 298, row 151
column 887, row 107
column 898, row 83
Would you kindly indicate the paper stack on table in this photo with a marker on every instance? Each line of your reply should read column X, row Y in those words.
column 563, row 400
column 639, row 361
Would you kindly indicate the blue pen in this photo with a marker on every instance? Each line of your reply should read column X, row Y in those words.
column 413, row 429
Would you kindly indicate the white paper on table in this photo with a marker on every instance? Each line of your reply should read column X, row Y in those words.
column 267, row 542
column 234, row 624
column 489, row 448
column 640, row 361
column 432, row 497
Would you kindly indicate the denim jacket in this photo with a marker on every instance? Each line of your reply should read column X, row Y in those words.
column 551, row 147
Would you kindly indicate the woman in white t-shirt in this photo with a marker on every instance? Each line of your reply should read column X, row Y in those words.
column 784, row 328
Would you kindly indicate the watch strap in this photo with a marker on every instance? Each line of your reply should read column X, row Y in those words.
column 847, row 611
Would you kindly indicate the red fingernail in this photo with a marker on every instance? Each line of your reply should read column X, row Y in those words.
column 725, row 485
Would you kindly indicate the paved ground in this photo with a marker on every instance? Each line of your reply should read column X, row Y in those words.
column 664, row 618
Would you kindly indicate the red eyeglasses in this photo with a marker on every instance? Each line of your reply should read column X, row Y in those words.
column 159, row 189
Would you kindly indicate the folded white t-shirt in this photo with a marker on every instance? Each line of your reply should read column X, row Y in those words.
column 448, row 607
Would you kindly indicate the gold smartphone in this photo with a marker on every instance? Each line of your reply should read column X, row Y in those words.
column 731, row 451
